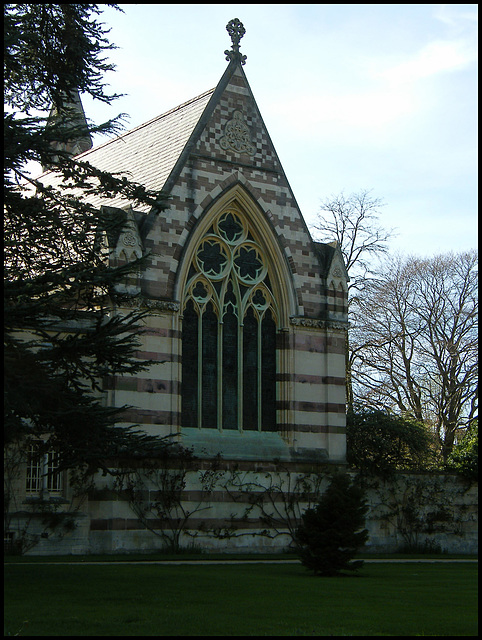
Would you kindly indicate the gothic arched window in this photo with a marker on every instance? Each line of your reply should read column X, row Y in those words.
column 229, row 329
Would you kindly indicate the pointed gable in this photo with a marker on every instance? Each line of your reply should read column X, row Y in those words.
column 230, row 146
column 235, row 131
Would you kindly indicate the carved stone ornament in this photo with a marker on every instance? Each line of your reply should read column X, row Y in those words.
column 236, row 31
column 129, row 239
column 237, row 136
column 315, row 323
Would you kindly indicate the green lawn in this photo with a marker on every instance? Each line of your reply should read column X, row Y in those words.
column 239, row 600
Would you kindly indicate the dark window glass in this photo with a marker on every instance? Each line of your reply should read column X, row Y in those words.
column 230, row 370
column 268, row 373
column 209, row 368
column 230, row 227
column 250, row 371
column 190, row 366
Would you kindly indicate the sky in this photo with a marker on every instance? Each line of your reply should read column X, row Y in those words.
column 365, row 97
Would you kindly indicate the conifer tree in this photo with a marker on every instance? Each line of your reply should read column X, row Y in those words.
column 62, row 336
column 331, row 533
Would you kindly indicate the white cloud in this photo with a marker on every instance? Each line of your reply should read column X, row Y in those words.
column 440, row 56
column 456, row 16
column 357, row 114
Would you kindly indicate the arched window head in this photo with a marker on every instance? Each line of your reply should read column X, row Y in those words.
column 230, row 320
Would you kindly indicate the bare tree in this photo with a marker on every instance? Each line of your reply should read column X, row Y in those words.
column 353, row 221
column 157, row 494
column 415, row 342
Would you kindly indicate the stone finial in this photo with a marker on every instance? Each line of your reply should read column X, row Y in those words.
column 236, row 31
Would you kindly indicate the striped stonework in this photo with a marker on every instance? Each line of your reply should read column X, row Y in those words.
column 228, row 163
column 246, row 330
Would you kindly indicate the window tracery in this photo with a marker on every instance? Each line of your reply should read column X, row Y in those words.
column 229, row 329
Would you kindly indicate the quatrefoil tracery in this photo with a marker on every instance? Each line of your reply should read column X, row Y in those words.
column 229, row 265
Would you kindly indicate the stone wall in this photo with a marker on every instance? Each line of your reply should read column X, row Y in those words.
column 214, row 510
column 418, row 512
column 425, row 511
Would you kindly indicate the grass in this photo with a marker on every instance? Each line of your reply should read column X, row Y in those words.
column 239, row 600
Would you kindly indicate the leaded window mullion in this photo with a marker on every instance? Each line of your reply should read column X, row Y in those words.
column 240, row 373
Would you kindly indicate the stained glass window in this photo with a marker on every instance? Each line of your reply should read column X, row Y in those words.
column 229, row 332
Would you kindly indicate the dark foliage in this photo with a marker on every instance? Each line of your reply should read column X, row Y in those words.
column 380, row 443
column 62, row 337
column 464, row 458
column 331, row 533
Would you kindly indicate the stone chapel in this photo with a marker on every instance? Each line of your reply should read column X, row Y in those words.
column 247, row 314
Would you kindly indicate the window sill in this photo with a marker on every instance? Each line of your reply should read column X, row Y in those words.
column 236, row 445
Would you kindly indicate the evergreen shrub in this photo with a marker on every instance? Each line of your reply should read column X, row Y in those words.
column 331, row 533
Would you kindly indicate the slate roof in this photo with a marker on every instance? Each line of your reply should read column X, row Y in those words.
column 148, row 153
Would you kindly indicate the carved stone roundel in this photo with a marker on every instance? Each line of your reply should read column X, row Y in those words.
column 129, row 239
column 237, row 136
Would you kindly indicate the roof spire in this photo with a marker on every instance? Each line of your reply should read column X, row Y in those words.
column 70, row 115
column 236, row 31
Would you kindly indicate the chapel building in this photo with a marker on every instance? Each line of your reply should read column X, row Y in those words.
column 247, row 314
